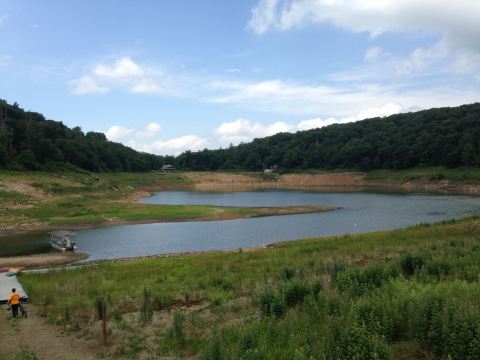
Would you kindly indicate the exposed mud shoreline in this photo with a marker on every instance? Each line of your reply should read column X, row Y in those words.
column 349, row 181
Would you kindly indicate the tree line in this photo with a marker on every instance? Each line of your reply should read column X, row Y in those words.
column 444, row 136
column 29, row 141
column 437, row 137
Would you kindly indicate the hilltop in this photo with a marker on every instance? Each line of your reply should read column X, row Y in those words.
column 445, row 137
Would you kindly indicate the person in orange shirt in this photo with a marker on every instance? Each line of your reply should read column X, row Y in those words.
column 14, row 302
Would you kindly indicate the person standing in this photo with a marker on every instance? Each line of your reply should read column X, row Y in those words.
column 14, row 302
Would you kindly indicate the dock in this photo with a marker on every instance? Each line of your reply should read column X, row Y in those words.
column 7, row 283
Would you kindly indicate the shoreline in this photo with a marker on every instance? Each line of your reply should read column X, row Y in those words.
column 281, row 211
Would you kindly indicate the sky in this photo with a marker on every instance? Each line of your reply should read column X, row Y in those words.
column 169, row 76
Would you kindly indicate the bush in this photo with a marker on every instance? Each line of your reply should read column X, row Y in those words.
column 353, row 342
column 410, row 263
column 294, row 293
column 360, row 281
column 286, row 273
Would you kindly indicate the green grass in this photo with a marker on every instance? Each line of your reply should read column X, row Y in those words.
column 82, row 199
column 406, row 294
column 464, row 175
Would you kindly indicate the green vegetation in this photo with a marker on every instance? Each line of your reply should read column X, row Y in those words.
column 461, row 175
column 436, row 137
column 72, row 198
column 29, row 141
column 404, row 294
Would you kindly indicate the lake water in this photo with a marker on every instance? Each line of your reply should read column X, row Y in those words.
column 360, row 212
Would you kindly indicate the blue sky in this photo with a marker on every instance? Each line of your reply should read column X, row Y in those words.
column 167, row 76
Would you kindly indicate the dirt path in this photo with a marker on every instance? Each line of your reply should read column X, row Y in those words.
column 46, row 341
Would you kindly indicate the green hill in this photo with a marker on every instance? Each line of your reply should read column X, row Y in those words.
column 29, row 141
column 437, row 137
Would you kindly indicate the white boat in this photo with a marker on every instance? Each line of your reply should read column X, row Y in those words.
column 63, row 240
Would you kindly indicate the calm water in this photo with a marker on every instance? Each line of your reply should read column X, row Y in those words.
column 360, row 212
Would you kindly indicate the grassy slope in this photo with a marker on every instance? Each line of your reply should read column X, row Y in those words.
column 29, row 199
column 375, row 302
column 461, row 175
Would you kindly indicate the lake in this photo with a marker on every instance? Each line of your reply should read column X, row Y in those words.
column 359, row 212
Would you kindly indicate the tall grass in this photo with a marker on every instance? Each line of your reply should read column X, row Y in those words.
column 409, row 293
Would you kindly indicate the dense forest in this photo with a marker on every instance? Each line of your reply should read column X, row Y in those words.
column 444, row 136
column 29, row 141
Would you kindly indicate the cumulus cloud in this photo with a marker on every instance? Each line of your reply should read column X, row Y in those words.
column 123, row 74
column 150, row 130
column 122, row 68
column 455, row 22
column 146, row 139
column 86, row 85
column 118, row 132
column 243, row 130
column 173, row 146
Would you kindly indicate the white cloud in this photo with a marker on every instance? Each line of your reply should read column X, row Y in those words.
column 123, row 74
column 145, row 86
column 243, row 130
column 86, row 85
column 122, row 68
column 318, row 122
column 342, row 100
column 172, row 146
column 150, row 130
column 384, row 110
column 118, row 132
column 456, row 20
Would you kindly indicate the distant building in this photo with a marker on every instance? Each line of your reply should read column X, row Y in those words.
column 168, row 168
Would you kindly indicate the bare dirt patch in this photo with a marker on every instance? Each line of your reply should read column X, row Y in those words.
column 41, row 260
column 23, row 188
column 44, row 340
column 210, row 181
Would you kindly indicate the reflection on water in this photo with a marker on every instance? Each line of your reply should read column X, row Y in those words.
column 360, row 212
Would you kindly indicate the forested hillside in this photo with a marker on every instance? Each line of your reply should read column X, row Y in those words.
column 437, row 137
column 29, row 141
column 444, row 136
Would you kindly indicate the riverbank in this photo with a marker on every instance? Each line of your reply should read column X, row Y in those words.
column 47, row 201
column 368, row 289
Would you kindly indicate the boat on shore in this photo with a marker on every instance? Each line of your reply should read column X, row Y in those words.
column 63, row 240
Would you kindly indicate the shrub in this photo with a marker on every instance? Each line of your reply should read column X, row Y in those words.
column 350, row 341
column 360, row 281
column 286, row 273
column 410, row 263
column 294, row 293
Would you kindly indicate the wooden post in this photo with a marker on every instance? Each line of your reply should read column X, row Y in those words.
column 102, row 315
